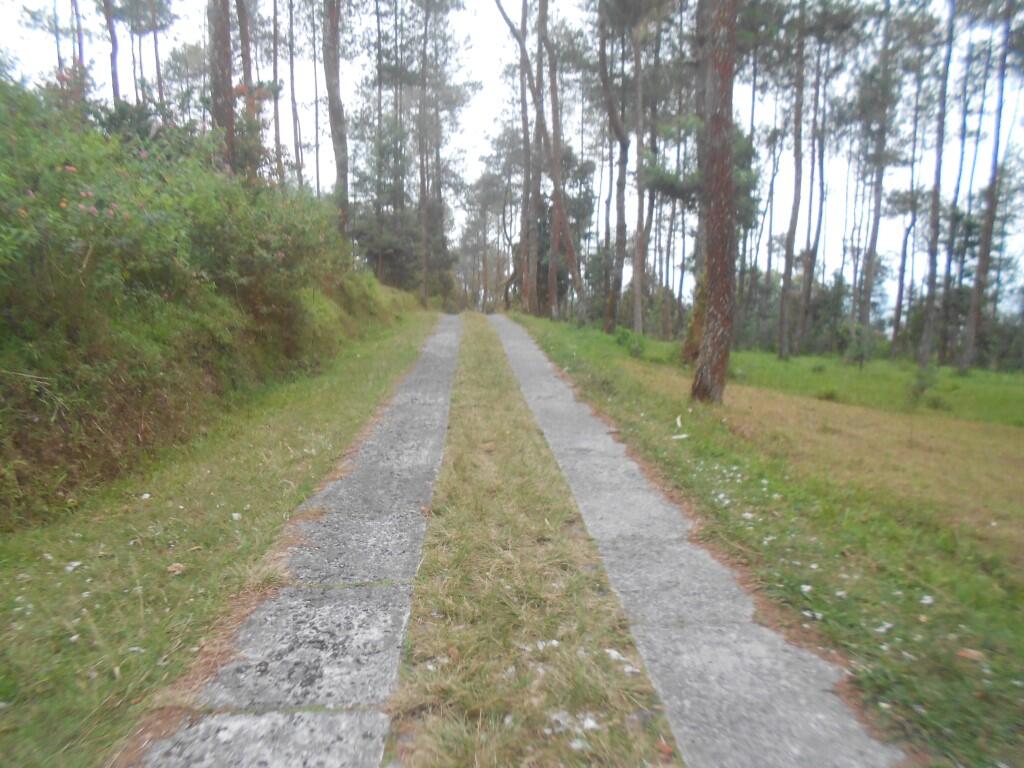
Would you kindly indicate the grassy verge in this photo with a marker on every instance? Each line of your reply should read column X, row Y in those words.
column 927, row 610
column 518, row 653
column 102, row 609
column 890, row 385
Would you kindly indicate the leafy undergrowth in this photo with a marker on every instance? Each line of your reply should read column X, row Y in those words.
column 142, row 285
column 925, row 610
column 104, row 608
column 890, row 385
column 518, row 653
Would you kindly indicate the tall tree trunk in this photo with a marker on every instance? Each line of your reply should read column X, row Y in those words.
column 245, row 44
column 716, row 342
column 640, row 239
column 991, row 202
column 156, row 59
column 564, row 237
column 527, row 224
column 335, row 107
column 798, row 161
column 378, row 159
column 275, row 45
column 135, row 65
column 879, row 153
column 79, row 36
column 421, row 130
column 810, row 253
column 108, row 17
column 222, row 106
column 909, row 229
column 925, row 350
column 296, row 124
column 142, row 62
column 618, row 129
column 945, row 325
column 316, row 98
column 695, row 330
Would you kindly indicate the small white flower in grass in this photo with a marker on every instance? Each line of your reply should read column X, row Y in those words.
column 882, row 628
column 614, row 655
column 145, row 497
column 840, row 593
column 236, row 516
column 72, row 566
column 806, row 588
column 47, row 556
column 588, row 722
column 73, row 639
column 814, row 566
column 885, row 705
column 578, row 745
column 927, row 600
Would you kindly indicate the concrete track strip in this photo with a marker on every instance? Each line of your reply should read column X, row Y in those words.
column 737, row 694
column 317, row 662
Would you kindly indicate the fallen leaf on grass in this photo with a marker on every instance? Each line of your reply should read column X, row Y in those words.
column 970, row 654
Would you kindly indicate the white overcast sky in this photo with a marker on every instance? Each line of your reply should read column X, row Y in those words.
column 486, row 50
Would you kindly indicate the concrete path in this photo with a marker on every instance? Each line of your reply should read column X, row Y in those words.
column 736, row 693
column 317, row 662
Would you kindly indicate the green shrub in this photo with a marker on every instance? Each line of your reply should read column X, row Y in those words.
column 139, row 283
column 637, row 345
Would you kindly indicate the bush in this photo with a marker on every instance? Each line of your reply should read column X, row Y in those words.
column 139, row 282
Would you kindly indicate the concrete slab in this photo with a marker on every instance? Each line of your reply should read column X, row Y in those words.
column 317, row 662
column 293, row 740
column 736, row 694
column 359, row 550
column 313, row 647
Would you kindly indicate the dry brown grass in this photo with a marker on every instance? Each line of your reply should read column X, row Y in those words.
column 971, row 473
column 508, row 661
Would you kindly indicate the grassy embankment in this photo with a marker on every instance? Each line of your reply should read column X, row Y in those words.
column 518, row 653
column 104, row 607
column 895, row 537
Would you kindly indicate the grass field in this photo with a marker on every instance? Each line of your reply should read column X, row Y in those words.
column 518, row 653
column 888, row 385
column 109, row 605
column 894, row 538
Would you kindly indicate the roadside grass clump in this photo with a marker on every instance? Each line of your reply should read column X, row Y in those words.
column 141, row 284
column 921, row 594
column 104, row 609
column 518, row 653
